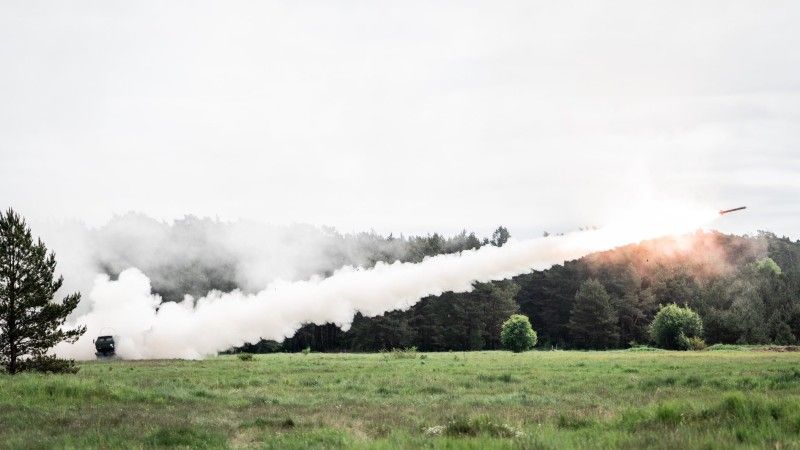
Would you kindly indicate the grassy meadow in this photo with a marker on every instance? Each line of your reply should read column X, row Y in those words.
column 543, row 399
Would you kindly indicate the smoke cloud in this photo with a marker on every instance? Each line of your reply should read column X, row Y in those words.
column 147, row 328
column 196, row 255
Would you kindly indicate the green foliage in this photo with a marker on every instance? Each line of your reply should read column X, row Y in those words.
column 502, row 378
column 717, row 275
column 30, row 321
column 404, row 353
column 467, row 321
column 673, row 327
column 781, row 332
column 451, row 321
column 644, row 348
column 558, row 399
column 47, row 364
column 730, row 281
column 517, row 334
column 245, row 356
column 186, row 437
column 696, row 343
column 389, row 330
column 593, row 321
column 262, row 346
column 768, row 265
column 500, row 236
column 727, row 347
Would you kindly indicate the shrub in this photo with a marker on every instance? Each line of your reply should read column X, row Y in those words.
column 517, row 334
column 246, row 356
column 673, row 327
column 716, row 347
column 47, row 364
column 696, row 343
column 307, row 350
column 669, row 413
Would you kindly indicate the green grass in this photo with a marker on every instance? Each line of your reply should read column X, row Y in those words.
column 550, row 399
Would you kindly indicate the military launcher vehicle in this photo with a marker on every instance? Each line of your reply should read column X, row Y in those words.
column 104, row 347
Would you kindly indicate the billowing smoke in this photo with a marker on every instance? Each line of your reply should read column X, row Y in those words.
column 192, row 328
column 196, row 255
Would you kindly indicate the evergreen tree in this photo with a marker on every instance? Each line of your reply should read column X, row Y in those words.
column 494, row 302
column 780, row 331
column 385, row 332
column 472, row 242
column 546, row 297
column 593, row 321
column 426, row 319
column 30, row 322
column 500, row 236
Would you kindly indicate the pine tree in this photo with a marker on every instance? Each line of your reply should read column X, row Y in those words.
column 593, row 321
column 494, row 303
column 500, row 236
column 30, row 322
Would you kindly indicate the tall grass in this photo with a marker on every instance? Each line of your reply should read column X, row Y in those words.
column 406, row 399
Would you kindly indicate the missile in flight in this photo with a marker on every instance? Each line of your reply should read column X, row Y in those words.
column 726, row 211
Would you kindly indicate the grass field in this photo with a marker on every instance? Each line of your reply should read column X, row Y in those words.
column 543, row 399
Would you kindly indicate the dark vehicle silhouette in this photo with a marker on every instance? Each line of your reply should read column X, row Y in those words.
column 104, row 346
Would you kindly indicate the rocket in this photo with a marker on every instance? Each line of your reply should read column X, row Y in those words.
column 726, row 211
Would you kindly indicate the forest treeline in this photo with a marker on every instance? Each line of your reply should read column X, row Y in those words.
column 746, row 289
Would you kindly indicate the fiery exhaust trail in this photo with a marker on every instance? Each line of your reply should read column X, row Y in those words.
column 147, row 328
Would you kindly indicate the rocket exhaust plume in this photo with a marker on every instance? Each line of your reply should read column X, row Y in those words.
column 147, row 328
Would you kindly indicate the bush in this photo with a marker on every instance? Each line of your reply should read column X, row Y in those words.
column 733, row 347
column 306, row 350
column 673, row 327
column 246, row 356
column 404, row 353
column 47, row 364
column 696, row 343
column 517, row 334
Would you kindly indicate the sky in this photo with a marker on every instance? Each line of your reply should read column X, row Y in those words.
column 412, row 116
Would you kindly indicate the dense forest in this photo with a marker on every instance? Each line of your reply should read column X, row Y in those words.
column 745, row 288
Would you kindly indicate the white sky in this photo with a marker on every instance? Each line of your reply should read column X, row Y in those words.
column 404, row 116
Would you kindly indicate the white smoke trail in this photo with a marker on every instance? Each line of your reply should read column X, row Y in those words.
column 192, row 329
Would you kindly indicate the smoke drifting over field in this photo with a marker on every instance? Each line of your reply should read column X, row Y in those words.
column 146, row 327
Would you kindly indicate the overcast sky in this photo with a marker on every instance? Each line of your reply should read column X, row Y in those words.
column 404, row 116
